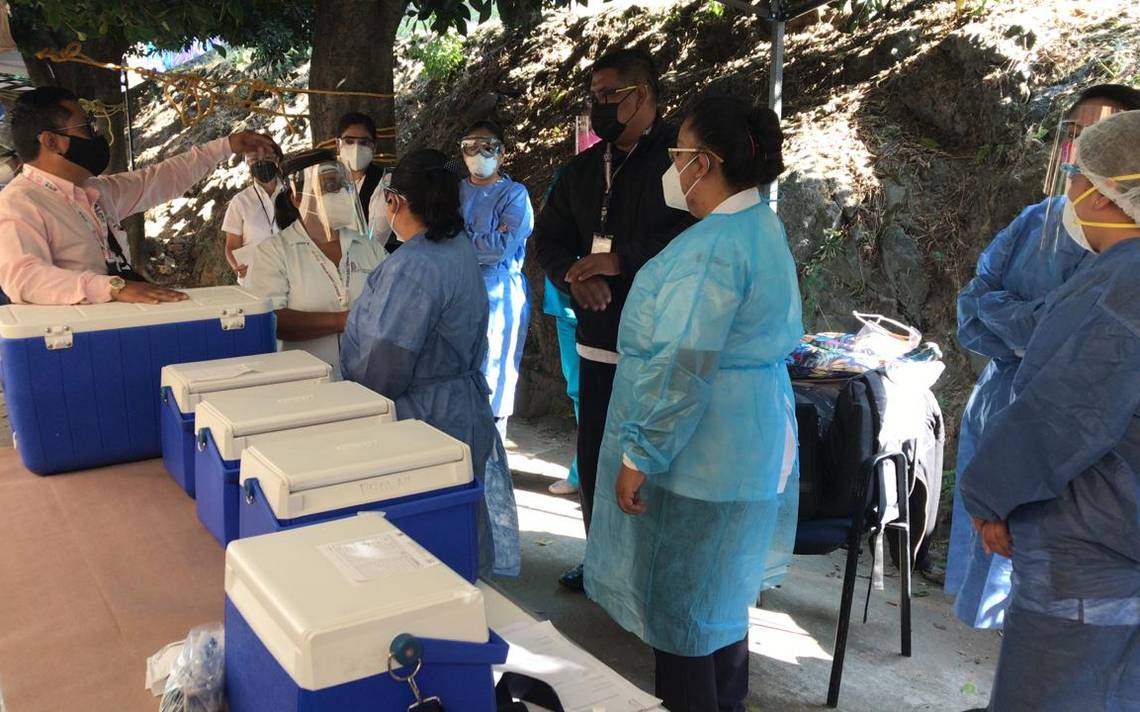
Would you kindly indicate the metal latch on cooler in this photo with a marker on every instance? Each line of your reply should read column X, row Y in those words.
column 57, row 337
column 233, row 319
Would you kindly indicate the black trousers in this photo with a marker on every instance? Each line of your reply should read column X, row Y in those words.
column 595, row 384
column 709, row 683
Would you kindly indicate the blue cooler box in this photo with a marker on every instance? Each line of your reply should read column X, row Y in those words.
column 82, row 382
column 184, row 385
column 420, row 477
column 311, row 613
column 227, row 422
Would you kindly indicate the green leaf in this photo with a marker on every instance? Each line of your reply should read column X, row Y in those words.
column 969, row 689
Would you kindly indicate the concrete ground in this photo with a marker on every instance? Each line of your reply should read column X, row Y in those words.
column 791, row 638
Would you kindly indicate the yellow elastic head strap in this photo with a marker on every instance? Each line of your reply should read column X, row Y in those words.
column 1115, row 226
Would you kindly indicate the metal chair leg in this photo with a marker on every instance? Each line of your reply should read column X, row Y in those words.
column 906, row 556
column 844, row 624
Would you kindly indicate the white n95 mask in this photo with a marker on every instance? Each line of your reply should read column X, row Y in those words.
column 356, row 156
column 339, row 212
column 675, row 196
column 1073, row 226
column 481, row 166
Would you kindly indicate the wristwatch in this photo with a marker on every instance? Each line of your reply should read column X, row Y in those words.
column 117, row 284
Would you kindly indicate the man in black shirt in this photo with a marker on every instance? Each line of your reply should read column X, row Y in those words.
column 605, row 218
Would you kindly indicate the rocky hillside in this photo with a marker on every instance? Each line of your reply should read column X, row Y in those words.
column 911, row 139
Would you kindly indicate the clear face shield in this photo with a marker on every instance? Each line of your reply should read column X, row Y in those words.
column 1063, row 159
column 328, row 201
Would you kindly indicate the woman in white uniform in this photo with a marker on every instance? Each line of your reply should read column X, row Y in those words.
column 316, row 267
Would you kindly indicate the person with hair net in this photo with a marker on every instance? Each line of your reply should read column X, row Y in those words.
column 997, row 314
column 316, row 267
column 1055, row 481
column 418, row 335
column 695, row 509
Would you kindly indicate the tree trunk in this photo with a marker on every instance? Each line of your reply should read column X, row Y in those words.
column 344, row 32
column 519, row 16
column 90, row 83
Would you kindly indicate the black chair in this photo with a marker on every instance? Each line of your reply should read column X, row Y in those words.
column 844, row 471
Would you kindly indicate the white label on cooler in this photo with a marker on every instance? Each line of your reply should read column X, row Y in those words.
column 374, row 557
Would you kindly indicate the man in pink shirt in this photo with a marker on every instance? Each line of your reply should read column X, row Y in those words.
column 61, row 239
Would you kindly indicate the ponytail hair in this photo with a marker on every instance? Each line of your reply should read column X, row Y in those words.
column 432, row 192
column 748, row 138
column 284, row 212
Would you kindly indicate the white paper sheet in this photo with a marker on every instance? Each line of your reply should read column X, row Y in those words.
column 244, row 254
column 582, row 682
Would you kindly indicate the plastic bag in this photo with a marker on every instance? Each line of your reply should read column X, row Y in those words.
column 197, row 682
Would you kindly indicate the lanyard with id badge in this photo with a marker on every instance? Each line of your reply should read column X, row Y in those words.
column 604, row 241
column 113, row 256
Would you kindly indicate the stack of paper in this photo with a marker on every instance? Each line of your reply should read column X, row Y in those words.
column 582, row 682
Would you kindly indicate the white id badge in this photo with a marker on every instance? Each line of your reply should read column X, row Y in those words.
column 603, row 244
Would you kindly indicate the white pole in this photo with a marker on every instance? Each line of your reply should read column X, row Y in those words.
column 776, row 84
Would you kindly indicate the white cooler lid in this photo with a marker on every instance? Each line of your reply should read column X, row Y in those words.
column 326, row 600
column 282, row 406
column 377, row 462
column 187, row 380
column 21, row 321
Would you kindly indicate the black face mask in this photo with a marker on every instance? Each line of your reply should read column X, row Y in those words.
column 604, row 119
column 264, row 171
column 604, row 122
column 94, row 154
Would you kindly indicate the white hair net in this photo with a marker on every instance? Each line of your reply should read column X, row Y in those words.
column 1109, row 156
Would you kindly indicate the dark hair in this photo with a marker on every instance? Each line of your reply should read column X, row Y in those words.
column 632, row 64
column 490, row 126
column 284, row 212
column 748, row 138
column 353, row 118
column 36, row 111
column 431, row 190
column 1121, row 94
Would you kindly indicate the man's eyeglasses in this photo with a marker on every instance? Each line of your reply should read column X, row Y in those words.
column 606, row 96
column 90, row 125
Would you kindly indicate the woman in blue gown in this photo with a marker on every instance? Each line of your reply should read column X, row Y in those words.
column 418, row 335
column 998, row 313
column 498, row 219
column 698, row 482
column 1055, row 481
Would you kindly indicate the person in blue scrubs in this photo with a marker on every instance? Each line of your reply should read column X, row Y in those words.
column 698, row 474
column 498, row 219
column 998, row 312
column 418, row 335
column 557, row 304
column 1055, row 480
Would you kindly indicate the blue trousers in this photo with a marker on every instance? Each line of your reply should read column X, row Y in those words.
column 568, row 351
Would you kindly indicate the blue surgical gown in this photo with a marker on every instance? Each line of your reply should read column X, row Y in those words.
column 499, row 219
column 1061, row 464
column 418, row 335
column 703, row 406
column 997, row 314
